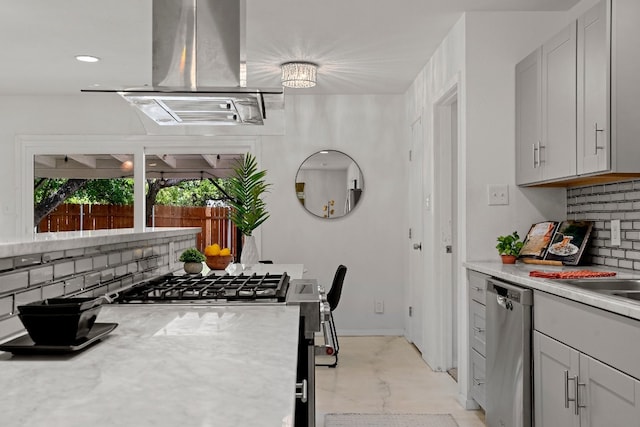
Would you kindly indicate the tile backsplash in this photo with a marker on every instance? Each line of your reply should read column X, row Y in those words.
column 90, row 271
column 600, row 204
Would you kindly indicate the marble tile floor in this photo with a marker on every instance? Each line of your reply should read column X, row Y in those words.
column 384, row 374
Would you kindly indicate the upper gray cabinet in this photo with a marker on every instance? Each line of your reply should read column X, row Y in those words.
column 578, row 106
column 593, row 94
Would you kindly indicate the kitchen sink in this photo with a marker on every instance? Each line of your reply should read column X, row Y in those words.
column 605, row 285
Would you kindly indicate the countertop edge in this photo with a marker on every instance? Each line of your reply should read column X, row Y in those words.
column 81, row 239
column 519, row 274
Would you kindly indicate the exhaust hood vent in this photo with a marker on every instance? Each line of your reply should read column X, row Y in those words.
column 198, row 55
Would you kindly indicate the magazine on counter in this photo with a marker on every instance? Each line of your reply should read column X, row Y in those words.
column 563, row 241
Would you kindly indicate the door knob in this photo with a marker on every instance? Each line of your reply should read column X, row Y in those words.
column 417, row 246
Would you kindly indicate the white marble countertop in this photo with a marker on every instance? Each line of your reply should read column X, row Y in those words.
column 164, row 365
column 43, row 242
column 295, row 271
column 519, row 273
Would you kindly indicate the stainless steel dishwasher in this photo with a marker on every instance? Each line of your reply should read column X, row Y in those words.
column 508, row 334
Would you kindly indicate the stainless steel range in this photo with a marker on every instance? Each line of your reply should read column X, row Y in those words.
column 225, row 289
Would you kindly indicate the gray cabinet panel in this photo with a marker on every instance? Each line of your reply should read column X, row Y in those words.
column 477, row 317
column 558, row 147
column 551, row 359
column 610, row 398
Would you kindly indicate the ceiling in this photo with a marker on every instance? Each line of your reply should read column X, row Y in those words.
column 361, row 46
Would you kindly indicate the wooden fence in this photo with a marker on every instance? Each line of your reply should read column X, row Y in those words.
column 214, row 222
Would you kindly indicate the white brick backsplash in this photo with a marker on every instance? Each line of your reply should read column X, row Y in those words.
column 6, row 305
column 13, row 281
column 623, row 263
column 121, row 270
column 10, row 326
column 28, row 296
column 612, row 262
column 132, row 267
column 52, row 256
column 74, row 252
column 63, row 269
column 53, row 291
column 40, row 275
column 26, row 260
column 126, row 256
column 100, row 262
column 137, row 253
column 73, row 285
column 617, row 253
column 6, row 264
column 83, row 265
column 115, row 258
column 92, row 279
column 632, row 255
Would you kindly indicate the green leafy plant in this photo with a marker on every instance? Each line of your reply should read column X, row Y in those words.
column 246, row 188
column 192, row 255
column 509, row 244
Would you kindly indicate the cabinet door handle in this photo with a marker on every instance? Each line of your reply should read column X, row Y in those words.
column 566, row 392
column 478, row 381
column 597, row 147
column 540, row 148
column 478, row 329
column 303, row 393
column 535, row 151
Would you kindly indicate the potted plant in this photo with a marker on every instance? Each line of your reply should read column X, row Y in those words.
column 246, row 187
column 193, row 260
column 509, row 247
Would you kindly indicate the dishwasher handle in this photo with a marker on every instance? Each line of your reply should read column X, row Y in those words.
column 507, row 294
column 504, row 302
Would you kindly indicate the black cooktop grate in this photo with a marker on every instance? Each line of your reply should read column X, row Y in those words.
column 271, row 287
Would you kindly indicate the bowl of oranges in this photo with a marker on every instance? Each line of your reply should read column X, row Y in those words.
column 217, row 258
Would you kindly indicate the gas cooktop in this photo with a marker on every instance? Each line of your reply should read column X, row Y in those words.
column 212, row 288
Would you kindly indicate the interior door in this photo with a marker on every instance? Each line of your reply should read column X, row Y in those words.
column 416, row 257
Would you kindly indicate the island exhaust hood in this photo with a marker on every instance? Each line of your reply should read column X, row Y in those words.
column 199, row 67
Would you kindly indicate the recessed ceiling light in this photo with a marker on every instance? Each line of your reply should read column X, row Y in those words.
column 87, row 58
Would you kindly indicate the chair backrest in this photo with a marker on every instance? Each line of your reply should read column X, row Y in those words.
column 333, row 297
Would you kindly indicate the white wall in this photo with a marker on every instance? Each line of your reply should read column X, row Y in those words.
column 370, row 240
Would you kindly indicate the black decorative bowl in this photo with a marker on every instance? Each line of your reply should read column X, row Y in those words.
column 60, row 321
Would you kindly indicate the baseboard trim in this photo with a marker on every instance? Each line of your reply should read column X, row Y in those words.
column 369, row 332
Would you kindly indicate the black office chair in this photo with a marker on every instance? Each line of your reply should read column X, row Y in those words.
column 333, row 298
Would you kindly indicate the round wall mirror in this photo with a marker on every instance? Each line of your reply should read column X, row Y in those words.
column 329, row 184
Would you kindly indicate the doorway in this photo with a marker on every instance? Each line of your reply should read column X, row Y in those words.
column 446, row 221
column 415, row 296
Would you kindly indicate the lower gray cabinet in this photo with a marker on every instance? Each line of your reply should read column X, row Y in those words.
column 573, row 389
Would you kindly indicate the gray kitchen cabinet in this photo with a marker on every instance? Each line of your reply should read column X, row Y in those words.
column 545, row 111
column 581, row 376
column 477, row 336
column 606, row 396
column 593, row 143
column 589, row 101
column 557, row 149
column 528, row 118
column 551, row 360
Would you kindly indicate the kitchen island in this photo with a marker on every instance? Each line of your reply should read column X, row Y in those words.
column 164, row 365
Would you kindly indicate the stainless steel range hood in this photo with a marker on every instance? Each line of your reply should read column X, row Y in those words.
column 199, row 67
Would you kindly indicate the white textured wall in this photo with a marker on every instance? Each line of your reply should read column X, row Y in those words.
column 370, row 240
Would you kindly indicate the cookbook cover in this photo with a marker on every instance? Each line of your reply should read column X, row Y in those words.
column 569, row 241
column 538, row 239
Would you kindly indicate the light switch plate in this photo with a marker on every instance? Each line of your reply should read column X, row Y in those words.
column 498, row 194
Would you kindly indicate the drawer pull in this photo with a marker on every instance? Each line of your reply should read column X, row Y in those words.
column 478, row 288
column 478, row 381
column 478, row 329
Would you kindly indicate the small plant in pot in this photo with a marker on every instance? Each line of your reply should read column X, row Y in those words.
column 509, row 247
column 193, row 260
